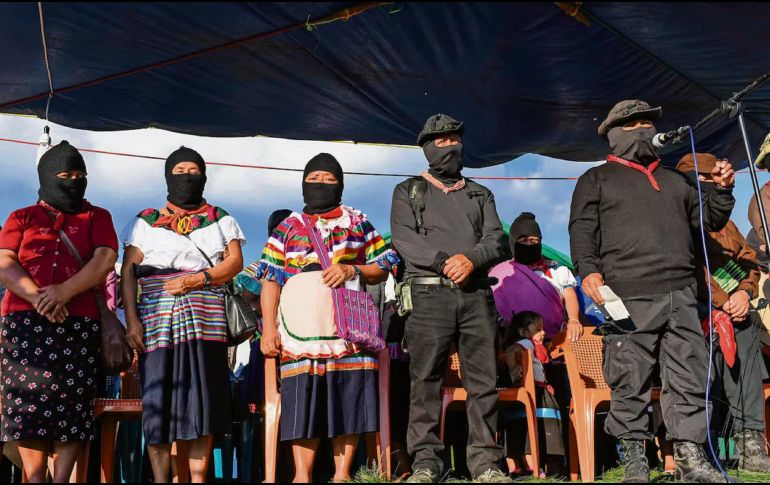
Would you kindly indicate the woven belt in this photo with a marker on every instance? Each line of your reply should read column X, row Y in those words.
column 433, row 281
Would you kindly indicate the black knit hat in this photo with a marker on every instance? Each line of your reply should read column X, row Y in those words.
column 184, row 154
column 524, row 225
column 66, row 195
column 61, row 158
column 325, row 162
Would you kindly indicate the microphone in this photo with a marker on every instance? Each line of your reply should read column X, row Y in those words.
column 662, row 139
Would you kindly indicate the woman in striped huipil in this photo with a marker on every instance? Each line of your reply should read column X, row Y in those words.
column 328, row 386
column 177, row 320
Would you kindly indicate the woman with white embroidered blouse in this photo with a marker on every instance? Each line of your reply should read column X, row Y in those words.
column 180, row 256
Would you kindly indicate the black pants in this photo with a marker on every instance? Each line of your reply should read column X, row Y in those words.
column 739, row 388
column 441, row 316
column 662, row 328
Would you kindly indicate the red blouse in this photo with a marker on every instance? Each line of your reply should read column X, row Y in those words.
column 33, row 235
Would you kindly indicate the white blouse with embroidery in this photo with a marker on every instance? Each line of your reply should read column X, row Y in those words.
column 163, row 248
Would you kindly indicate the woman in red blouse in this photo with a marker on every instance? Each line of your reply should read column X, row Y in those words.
column 50, row 333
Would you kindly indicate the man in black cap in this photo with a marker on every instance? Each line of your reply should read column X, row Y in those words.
column 447, row 230
column 631, row 228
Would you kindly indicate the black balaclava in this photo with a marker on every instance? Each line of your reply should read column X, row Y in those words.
column 185, row 190
column 525, row 225
column 445, row 163
column 321, row 198
column 275, row 219
column 634, row 145
column 66, row 195
column 705, row 187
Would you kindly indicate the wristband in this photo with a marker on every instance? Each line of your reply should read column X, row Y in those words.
column 357, row 272
column 207, row 279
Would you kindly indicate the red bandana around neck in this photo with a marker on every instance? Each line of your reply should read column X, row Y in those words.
column 541, row 266
column 332, row 214
column 541, row 353
column 648, row 170
column 180, row 220
column 58, row 216
column 436, row 183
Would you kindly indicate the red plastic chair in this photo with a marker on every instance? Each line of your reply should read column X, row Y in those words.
column 452, row 392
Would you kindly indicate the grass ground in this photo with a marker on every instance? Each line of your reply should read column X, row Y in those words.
column 612, row 476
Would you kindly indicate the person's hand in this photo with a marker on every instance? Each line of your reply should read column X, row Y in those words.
column 270, row 343
column 574, row 330
column 337, row 274
column 737, row 306
column 458, row 268
column 591, row 284
column 516, row 373
column 51, row 300
column 185, row 284
column 58, row 315
column 723, row 173
column 135, row 334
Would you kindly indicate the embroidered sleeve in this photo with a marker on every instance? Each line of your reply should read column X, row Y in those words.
column 272, row 265
column 376, row 250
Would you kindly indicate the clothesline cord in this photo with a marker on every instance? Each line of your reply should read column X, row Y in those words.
column 288, row 169
column 45, row 56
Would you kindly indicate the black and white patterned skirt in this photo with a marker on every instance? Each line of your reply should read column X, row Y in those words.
column 49, row 377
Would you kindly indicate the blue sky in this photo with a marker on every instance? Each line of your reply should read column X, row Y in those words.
column 125, row 186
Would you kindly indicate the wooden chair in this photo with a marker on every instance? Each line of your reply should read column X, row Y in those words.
column 583, row 359
column 127, row 407
column 452, row 391
column 110, row 411
column 273, row 417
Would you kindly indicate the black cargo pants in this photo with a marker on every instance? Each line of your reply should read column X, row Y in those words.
column 441, row 316
column 740, row 388
column 662, row 328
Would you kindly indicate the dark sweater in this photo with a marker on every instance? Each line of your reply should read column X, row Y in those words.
column 639, row 239
column 461, row 222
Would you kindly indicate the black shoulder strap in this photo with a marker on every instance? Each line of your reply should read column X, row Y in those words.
column 416, row 189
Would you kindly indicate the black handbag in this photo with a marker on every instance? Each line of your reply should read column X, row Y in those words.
column 242, row 321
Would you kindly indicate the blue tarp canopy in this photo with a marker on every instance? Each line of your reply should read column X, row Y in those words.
column 525, row 77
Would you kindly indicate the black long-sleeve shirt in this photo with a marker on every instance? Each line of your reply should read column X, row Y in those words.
column 461, row 222
column 639, row 239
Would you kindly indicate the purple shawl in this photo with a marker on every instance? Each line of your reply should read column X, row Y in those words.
column 519, row 289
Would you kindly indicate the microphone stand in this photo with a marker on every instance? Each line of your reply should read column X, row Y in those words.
column 732, row 108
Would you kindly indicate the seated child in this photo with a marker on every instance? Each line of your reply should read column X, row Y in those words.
column 526, row 334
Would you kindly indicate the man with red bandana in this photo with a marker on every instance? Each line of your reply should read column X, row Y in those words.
column 631, row 228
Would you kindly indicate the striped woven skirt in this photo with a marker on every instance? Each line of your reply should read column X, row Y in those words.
column 329, row 397
column 184, row 373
